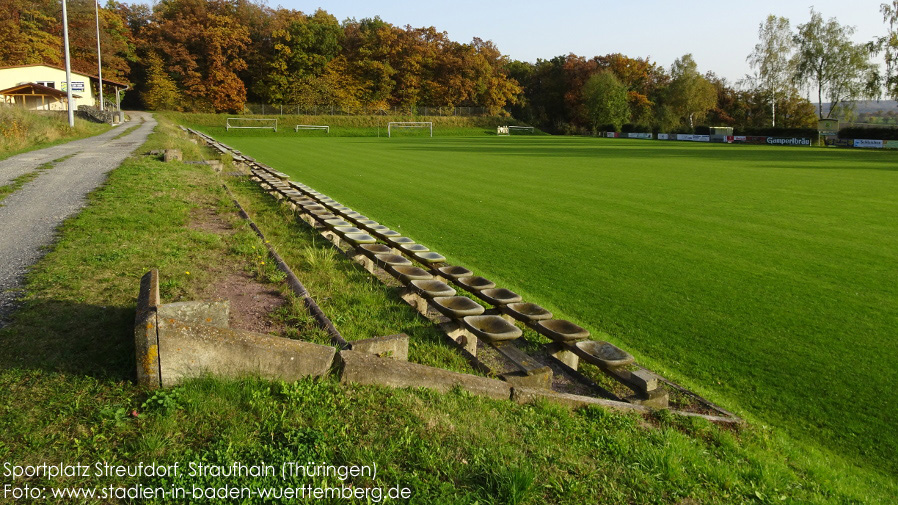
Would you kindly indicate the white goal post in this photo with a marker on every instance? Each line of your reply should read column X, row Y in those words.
column 326, row 128
column 409, row 124
column 504, row 131
column 255, row 123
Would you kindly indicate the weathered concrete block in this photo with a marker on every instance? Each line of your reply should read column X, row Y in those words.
column 391, row 346
column 189, row 350
column 644, row 380
column 364, row 368
column 567, row 357
column 172, row 155
column 461, row 336
column 529, row 395
column 657, row 399
column 211, row 313
column 146, row 342
column 541, row 378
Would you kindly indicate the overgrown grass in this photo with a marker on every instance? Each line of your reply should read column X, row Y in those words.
column 757, row 275
column 66, row 363
column 22, row 130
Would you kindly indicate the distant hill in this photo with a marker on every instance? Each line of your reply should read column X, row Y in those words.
column 872, row 106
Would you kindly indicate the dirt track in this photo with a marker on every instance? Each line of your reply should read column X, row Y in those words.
column 29, row 217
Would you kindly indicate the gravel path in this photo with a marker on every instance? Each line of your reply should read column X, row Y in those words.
column 29, row 217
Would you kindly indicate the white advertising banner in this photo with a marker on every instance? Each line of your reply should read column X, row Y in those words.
column 875, row 144
column 663, row 136
column 639, row 135
column 694, row 138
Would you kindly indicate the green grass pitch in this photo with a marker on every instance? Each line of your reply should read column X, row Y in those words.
column 764, row 277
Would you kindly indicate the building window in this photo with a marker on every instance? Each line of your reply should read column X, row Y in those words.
column 49, row 84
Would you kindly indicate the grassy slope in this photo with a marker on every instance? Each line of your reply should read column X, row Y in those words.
column 22, row 131
column 67, row 362
column 763, row 276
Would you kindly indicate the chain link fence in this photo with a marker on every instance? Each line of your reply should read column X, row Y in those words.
column 332, row 110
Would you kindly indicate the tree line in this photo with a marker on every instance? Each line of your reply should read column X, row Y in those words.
column 217, row 55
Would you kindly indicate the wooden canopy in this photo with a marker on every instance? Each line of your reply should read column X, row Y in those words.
column 34, row 96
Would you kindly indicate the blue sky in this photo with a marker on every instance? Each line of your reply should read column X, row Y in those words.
column 719, row 34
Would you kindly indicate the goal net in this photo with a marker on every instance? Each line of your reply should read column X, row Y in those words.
column 254, row 123
column 408, row 124
column 326, row 128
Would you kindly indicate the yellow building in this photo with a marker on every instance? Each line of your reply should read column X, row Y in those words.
column 43, row 87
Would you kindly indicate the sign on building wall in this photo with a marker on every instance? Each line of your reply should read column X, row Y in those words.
column 76, row 86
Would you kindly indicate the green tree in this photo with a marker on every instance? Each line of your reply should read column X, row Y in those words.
column 368, row 47
column 889, row 44
column 689, row 96
column 301, row 52
column 605, row 98
column 160, row 93
column 642, row 78
column 827, row 59
column 771, row 60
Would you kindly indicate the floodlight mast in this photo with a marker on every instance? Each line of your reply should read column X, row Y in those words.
column 68, row 64
column 99, row 57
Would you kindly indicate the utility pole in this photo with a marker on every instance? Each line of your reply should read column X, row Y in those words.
column 99, row 58
column 68, row 64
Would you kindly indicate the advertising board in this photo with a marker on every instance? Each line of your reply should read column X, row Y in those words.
column 788, row 141
column 872, row 144
column 693, row 138
column 639, row 135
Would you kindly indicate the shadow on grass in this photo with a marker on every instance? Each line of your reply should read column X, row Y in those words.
column 578, row 148
column 70, row 337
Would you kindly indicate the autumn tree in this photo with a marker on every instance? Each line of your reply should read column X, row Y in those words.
column 202, row 42
column 30, row 33
column 605, row 98
column 368, row 46
column 577, row 70
column 642, row 79
column 493, row 88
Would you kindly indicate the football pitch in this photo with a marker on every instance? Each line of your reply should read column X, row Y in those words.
column 763, row 277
